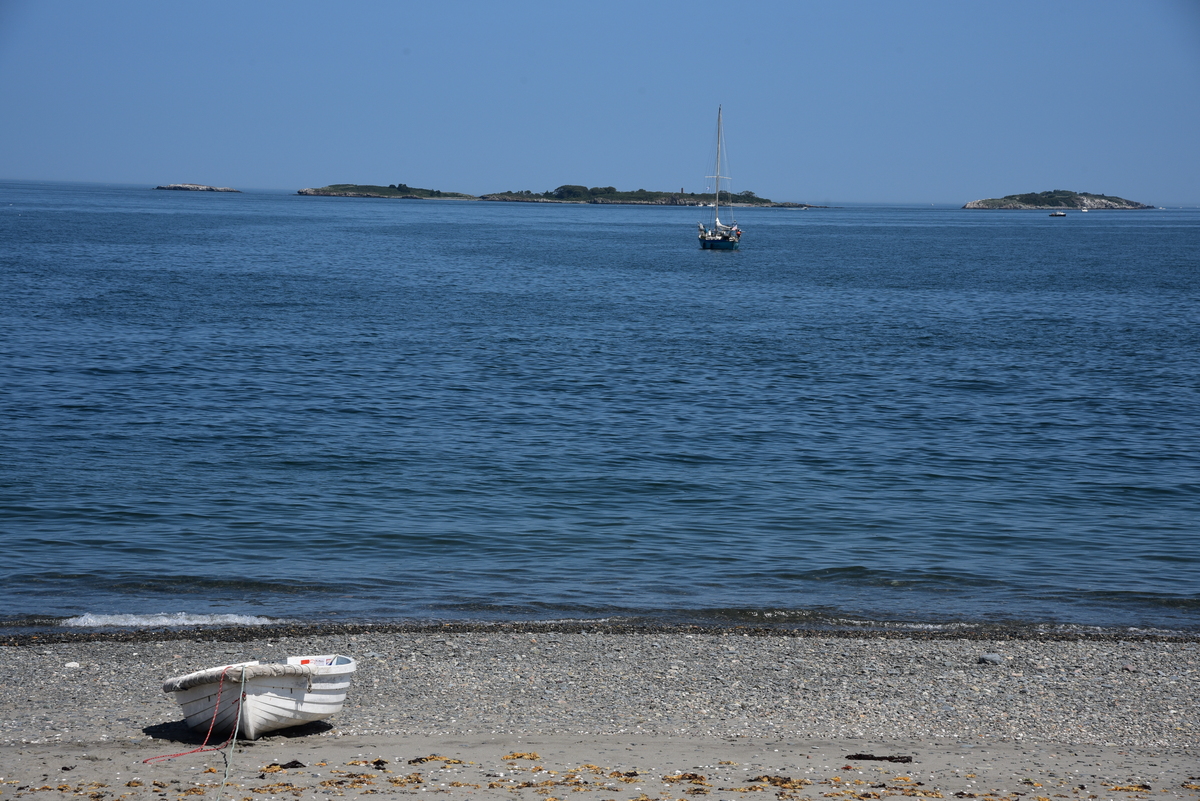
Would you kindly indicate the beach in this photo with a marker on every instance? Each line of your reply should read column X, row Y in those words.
column 541, row 711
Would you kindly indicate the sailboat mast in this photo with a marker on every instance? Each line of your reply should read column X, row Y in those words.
column 717, row 172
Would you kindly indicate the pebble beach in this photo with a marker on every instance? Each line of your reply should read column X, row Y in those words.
column 453, row 709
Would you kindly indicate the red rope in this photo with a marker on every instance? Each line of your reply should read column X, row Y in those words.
column 211, row 724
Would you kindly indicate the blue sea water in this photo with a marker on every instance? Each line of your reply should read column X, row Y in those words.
column 267, row 406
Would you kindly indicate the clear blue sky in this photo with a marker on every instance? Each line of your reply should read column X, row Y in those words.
column 930, row 102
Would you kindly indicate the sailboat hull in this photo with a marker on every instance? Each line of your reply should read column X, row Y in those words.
column 718, row 244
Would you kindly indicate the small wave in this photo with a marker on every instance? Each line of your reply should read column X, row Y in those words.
column 1076, row 628
column 827, row 619
column 163, row 619
column 901, row 624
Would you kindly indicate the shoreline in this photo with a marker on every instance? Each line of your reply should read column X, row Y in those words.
column 224, row 632
column 729, row 706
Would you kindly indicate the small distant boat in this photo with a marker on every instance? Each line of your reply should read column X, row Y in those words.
column 260, row 697
column 717, row 235
column 1058, row 214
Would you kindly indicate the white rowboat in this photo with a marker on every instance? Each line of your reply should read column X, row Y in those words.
column 261, row 697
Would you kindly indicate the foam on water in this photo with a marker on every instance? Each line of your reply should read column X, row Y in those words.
column 163, row 620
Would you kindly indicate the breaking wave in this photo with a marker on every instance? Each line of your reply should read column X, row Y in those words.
column 163, row 620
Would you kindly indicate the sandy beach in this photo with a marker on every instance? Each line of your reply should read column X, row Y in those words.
column 535, row 712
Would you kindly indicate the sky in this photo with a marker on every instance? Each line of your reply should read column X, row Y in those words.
column 824, row 102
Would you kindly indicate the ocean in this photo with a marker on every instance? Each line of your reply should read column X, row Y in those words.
column 245, row 408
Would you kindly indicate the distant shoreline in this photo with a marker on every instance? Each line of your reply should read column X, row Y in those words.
column 486, row 199
column 578, row 196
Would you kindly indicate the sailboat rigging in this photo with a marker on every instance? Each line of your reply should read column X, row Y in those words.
column 718, row 235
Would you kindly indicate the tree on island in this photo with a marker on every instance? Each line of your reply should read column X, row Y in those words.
column 572, row 192
column 406, row 188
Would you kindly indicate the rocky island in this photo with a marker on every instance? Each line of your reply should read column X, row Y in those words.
column 567, row 193
column 397, row 191
column 1056, row 199
column 198, row 188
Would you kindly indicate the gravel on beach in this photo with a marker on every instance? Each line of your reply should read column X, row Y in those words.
column 660, row 688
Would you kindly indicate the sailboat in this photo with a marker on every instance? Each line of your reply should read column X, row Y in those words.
column 718, row 235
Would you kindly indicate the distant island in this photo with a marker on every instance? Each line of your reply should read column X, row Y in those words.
column 198, row 188
column 575, row 193
column 568, row 193
column 1056, row 199
column 399, row 191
